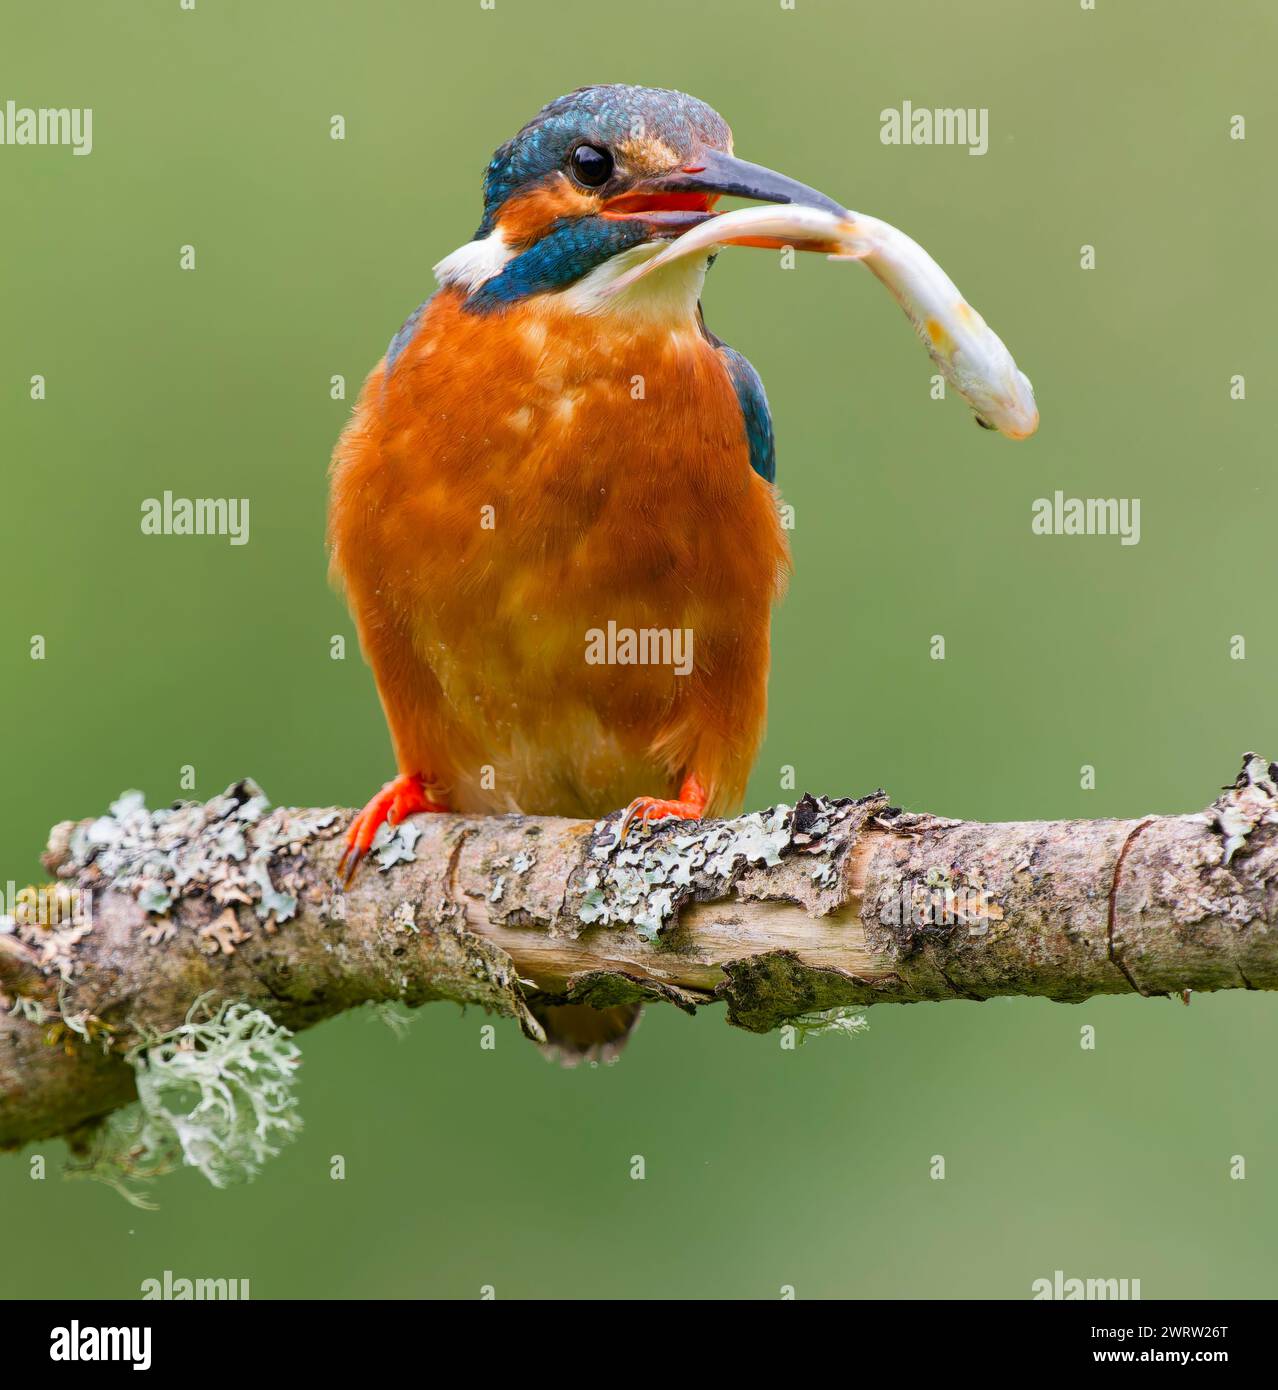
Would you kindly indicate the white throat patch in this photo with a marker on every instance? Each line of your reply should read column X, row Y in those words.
column 470, row 265
column 668, row 295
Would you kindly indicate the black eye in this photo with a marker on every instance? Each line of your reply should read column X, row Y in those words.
column 590, row 165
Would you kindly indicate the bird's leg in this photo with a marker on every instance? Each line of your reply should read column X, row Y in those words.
column 404, row 795
column 691, row 805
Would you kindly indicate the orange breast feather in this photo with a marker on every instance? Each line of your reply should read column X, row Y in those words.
column 520, row 481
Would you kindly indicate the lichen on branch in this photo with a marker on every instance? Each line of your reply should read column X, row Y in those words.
column 216, row 1093
column 797, row 915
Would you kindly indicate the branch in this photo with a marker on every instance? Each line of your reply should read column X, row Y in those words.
column 779, row 914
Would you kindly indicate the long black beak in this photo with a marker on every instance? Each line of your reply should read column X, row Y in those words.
column 712, row 172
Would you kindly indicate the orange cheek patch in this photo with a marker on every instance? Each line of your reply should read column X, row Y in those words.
column 525, row 219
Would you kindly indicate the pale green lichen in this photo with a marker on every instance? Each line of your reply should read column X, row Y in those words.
column 229, row 847
column 1252, row 801
column 52, row 920
column 30, row 1009
column 645, row 882
column 214, row 1093
column 404, row 918
column 155, row 898
column 395, row 844
column 84, row 1024
column 844, row 1020
column 119, row 1154
column 394, row 1016
column 639, row 883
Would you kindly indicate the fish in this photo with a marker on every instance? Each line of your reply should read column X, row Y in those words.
column 971, row 357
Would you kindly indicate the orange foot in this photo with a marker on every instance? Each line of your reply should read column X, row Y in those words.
column 404, row 796
column 645, row 809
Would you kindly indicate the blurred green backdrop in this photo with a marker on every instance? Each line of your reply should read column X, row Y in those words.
column 764, row 1167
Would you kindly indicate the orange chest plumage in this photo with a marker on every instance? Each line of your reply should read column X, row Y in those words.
column 521, row 485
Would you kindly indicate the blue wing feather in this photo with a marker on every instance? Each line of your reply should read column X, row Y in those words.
column 755, row 413
column 405, row 335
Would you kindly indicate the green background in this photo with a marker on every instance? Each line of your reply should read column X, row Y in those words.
column 764, row 1167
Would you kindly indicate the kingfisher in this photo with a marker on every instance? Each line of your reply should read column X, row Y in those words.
column 538, row 460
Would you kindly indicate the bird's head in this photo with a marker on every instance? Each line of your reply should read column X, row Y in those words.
column 596, row 181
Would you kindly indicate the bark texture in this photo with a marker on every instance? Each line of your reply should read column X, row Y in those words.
column 779, row 914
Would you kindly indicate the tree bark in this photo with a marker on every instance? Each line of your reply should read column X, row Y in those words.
column 779, row 914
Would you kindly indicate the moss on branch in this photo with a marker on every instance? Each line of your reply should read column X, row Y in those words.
column 790, row 916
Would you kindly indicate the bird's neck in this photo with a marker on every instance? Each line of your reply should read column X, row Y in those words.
column 666, row 299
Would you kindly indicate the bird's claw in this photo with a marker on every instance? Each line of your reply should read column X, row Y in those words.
column 403, row 796
column 645, row 810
